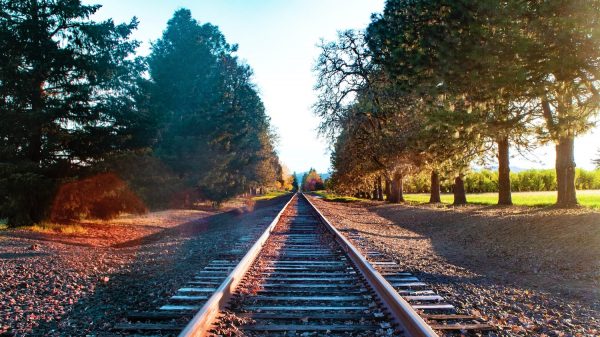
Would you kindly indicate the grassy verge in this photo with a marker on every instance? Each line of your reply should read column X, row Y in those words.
column 588, row 198
column 53, row 228
column 270, row 195
column 46, row 227
column 329, row 196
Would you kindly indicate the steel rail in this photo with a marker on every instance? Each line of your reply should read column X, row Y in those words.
column 400, row 310
column 200, row 323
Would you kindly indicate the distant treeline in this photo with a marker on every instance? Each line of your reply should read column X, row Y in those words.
column 312, row 181
column 487, row 181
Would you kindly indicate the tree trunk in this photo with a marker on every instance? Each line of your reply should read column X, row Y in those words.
column 396, row 189
column 393, row 198
column 388, row 189
column 460, row 196
column 401, row 189
column 374, row 194
column 435, row 196
column 379, row 189
column 565, row 172
column 504, row 190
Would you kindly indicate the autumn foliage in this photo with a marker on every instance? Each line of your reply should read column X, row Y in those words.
column 312, row 181
column 103, row 196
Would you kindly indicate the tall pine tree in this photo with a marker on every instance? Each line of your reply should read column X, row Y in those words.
column 214, row 130
column 67, row 92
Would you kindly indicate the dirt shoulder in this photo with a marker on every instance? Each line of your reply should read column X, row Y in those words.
column 131, row 230
column 531, row 270
column 81, row 284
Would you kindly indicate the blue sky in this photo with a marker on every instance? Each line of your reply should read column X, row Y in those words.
column 278, row 38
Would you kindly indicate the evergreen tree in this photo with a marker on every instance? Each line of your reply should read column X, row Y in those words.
column 214, row 130
column 294, row 182
column 562, row 60
column 68, row 87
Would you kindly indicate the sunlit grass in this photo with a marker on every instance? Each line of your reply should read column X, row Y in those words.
column 329, row 196
column 54, row 228
column 270, row 195
column 588, row 198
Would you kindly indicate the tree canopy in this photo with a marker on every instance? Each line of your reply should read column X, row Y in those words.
column 76, row 102
column 68, row 87
column 214, row 131
column 312, row 181
column 437, row 86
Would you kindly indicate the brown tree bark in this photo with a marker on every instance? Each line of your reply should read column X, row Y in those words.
column 565, row 172
column 401, row 188
column 396, row 189
column 460, row 196
column 504, row 189
column 434, row 196
column 374, row 196
column 388, row 189
column 379, row 189
column 393, row 198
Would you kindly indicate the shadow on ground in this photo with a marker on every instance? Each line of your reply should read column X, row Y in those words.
column 545, row 248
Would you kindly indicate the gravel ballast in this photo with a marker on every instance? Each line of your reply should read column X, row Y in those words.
column 530, row 272
column 82, row 284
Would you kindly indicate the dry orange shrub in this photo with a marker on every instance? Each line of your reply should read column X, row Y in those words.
column 103, row 196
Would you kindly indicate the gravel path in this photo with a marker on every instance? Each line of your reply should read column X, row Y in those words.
column 55, row 287
column 474, row 276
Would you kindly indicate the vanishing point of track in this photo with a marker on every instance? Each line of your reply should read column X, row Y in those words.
column 300, row 278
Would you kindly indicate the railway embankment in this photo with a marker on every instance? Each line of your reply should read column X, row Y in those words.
column 58, row 284
column 531, row 271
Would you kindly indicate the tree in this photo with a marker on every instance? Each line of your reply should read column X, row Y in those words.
column 467, row 51
column 214, row 133
column 311, row 181
column 597, row 160
column 563, row 59
column 358, row 101
column 295, row 182
column 68, row 87
column 286, row 179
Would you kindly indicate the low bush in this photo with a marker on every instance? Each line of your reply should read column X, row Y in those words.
column 150, row 179
column 103, row 196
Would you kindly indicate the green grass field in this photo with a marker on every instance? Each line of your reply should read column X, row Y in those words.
column 328, row 196
column 588, row 198
column 270, row 195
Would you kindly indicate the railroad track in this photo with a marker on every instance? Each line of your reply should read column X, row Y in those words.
column 300, row 278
